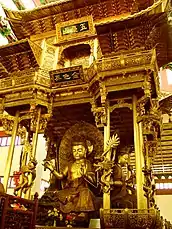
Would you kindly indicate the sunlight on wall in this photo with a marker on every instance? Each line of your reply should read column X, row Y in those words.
column 3, row 158
column 9, row 4
column 40, row 173
column 2, row 13
column 169, row 76
column 163, row 202
column 15, row 163
column 28, row 4
column 3, row 40
column 165, row 76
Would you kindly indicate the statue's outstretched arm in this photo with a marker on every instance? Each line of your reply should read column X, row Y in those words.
column 57, row 175
column 60, row 175
column 49, row 165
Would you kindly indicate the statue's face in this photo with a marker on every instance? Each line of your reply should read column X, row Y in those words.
column 123, row 159
column 31, row 165
column 79, row 152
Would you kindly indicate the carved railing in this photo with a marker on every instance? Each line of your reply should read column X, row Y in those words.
column 130, row 219
column 26, row 77
column 16, row 213
column 128, row 62
column 114, row 64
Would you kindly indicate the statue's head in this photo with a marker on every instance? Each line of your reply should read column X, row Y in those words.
column 79, row 148
column 32, row 163
column 123, row 159
column 123, row 155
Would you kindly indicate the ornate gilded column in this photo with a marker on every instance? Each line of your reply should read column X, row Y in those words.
column 151, row 127
column 138, row 146
column 106, row 195
column 35, row 122
column 11, row 151
column 102, row 118
column 35, row 136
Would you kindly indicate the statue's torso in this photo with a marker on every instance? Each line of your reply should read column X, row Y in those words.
column 74, row 170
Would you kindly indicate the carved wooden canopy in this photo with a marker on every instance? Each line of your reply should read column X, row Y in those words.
column 44, row 19
column 19, row 56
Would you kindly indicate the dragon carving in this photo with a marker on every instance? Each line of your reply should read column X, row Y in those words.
column 106, row 163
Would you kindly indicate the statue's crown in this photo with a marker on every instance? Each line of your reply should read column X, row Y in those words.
column 79, row 140
column 79, row 143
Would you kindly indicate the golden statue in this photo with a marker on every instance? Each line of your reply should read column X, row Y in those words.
column 27, row 177
column 112, row 179
column 79, row 174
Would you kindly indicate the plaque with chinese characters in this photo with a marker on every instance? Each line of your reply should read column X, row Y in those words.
column 77, row 28
column 66, row 76
column 74, row 29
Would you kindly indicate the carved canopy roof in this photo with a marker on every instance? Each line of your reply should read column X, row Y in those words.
column 43, row 19
column 147, row 11
column 20, row 55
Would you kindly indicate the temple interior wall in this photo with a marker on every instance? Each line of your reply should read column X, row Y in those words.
column 164, row 204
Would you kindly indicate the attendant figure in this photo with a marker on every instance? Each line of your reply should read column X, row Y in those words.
column 27, row 177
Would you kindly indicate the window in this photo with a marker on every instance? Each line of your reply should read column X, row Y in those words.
column 6, row 141
column 163, row 186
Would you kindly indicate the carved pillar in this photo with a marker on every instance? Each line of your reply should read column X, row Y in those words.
column 151, row 126
column 35, row 122
column 138, row 146
column 11, row 151
column 102, row 118
column 106, row 195
column 35, row 136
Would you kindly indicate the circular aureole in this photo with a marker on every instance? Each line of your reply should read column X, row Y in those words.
column 86, row 130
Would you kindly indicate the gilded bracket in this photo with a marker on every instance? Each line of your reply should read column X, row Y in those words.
column 103, row 93
column 147, row 85
column 100, row 116
column 121, row 104
column 43, row 122
column 100, row 112
column 7, row 123
column 22, row 132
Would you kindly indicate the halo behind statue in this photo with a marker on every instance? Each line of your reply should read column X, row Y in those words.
column 87, row 131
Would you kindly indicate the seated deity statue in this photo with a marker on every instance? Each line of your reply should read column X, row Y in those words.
column 77, row 177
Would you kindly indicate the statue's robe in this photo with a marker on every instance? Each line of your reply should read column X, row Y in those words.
column 76, row 195
column 120, row 198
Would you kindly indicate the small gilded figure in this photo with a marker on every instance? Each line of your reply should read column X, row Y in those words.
column 28, row 175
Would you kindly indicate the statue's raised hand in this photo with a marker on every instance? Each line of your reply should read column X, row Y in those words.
column 48, row 165
column 83, row 170
column 114, row 141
